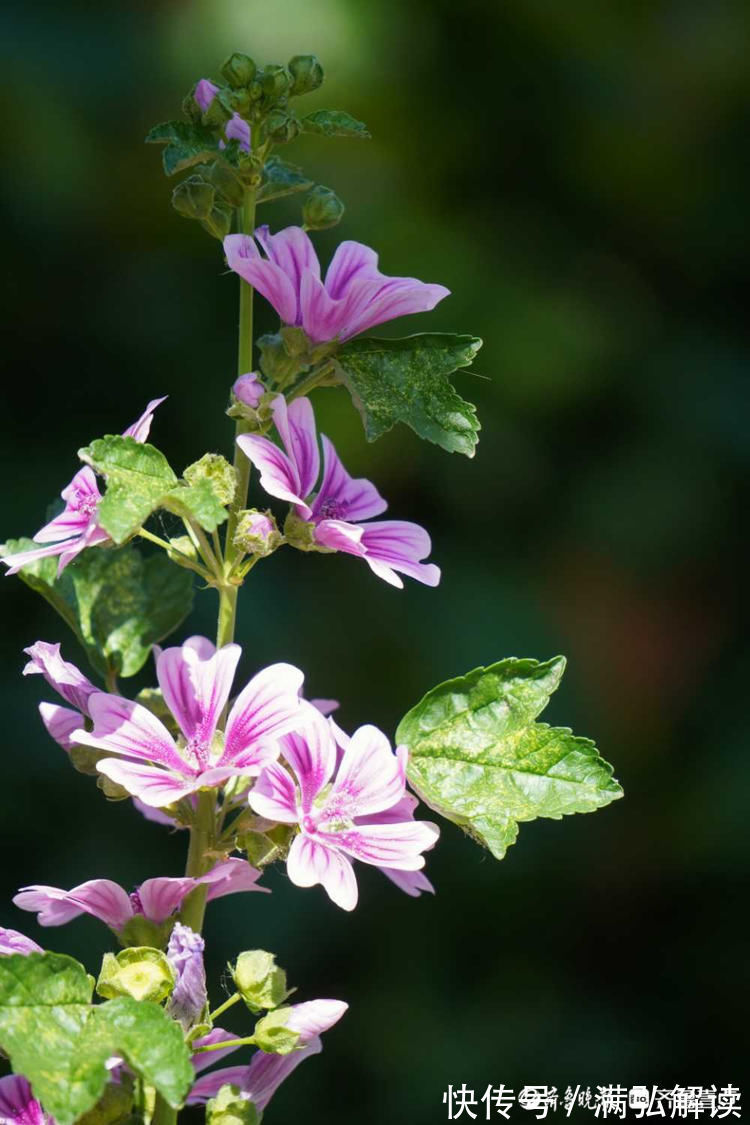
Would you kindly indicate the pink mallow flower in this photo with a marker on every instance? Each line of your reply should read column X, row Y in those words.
column 77, row 526
column 341, row 505
column 11, row 941
column 236, row 128
column 355, row 295
column 155, row 899
column 343, row 811
column 195, row 680
column 259, row 1079
column 18, row 1106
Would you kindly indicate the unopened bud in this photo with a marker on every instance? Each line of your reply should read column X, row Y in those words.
column 257, row 533
column 273, row 1035
column 248, row 389
column 231, row 1107
column 307, row 74
column 193, row 198
column 322, row 208
column 238, row 69
column 218, row 472
column 276, row 361
column 281, row 126
column 274, row 81
column 216, row 113
column 259, row 980
column 143, row 973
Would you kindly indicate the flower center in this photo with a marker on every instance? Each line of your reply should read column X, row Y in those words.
column 198, row 751
column 332, row 509
column 84, row 502
column 135, row 902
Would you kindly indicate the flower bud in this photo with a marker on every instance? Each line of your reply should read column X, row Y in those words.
column 259, row 980
column 193, row 198
column 273, row 1035
column 264, row 847
column 238, row 70
column 281, row 126
column 218, row 472
column 191, row 108
column 187, row 1004
column 231, row 1107
column 307, row 74
column 257, row 533
column 274, row 81
column 216, row 114
column 248, row 389
column 140, row 972
column 276, row 361
column 300, row 533
column 219, row 222
column 322, row 208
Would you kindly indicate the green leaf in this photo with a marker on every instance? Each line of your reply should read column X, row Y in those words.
column 334, row 123
column 138, row 478
column 197, row 501
column 187, row 144
column 406, row 380
column 280, row 178
column 44, row 1006
column 117, row 602
column 60, row 1042
column 478, row 757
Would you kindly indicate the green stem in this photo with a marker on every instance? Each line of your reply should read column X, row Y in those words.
column 163, row 1113
column 311, row 382
column 247, row 1042
column 201, row 843
column 223, row 1007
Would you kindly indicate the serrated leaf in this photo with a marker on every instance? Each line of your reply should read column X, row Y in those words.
column 334, row 123
column 187, row 144
column 279, row 179
column 138, row 477
column 117, row 602
column 197, row 501
column 61, row 1042
column 478, row 757
column 407, row 380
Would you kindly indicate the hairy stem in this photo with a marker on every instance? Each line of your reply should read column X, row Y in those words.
column 201, row 842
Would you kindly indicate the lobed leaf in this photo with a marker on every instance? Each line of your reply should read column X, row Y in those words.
column 279, row 179
column 478, row 757
column 187, row 144
column 334, row 123
column 407, row 380
column 138, row 478
column 198, row 501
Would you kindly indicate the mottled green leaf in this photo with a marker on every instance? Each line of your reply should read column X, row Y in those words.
column 117, row 602
column 478, row 757
column 197, row 501
column 280, row 178
column 60, row 1042
column 138, row 478
column 187, row 144
column 406, row 380
column 334, row 123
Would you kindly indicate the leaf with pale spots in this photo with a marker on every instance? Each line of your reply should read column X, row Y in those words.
column 281, row 178
column 407, row 380
column 138, row 478
column 478, row 757
column 334, row 123
column 186, row 144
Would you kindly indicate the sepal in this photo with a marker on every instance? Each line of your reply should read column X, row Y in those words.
column 141, row 972
column 231, row 1107
column 259, row 980
column 272, row 1035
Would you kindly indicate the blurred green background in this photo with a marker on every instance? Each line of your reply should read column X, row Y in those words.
column 577, row 175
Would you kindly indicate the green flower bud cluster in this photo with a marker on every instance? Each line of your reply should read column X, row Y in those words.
column 231, row 1107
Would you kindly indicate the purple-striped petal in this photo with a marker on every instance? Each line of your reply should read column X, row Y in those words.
column 20, row 559
column 267, row 277
column 204, row 93
column 60, row 723
column 396, row 545
column 65, row 678
column 264, row 710
column 237, row 129
column 189, row 997
column 18, row 1106
column 11, row 941
column 311, row 752
column 296, row 428
column 370, row 778
column 150, row 784
column 352, row 262
column 278, row 474
column 160, row 897
column 231, row 876
column 100, row 897
column 274, row 795
column 203, row 1059
column 322, row 317
column 413, row 883
column 122, row 726
column 396, row 846
column 311, row 862
column 342, row 497
column 313, row 1017
column 156, row 816
column 141, row 428
column 398, row 296
column 292, row 251
column 196, row 680
column 338, row 535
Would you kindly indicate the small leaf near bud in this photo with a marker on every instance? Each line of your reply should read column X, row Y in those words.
column 239, row 70
column 322, row 209
column 217, row 113
column 231, row 1107
column 259, row 980
column 276, row 362
column 266, row 847
column 84, row 759
column 217, row 470
column 257, row 533
column 140, row 931
column 193, row 198
column 274, row 81
column 111, row 790
column 190, row 107
column 227, row 184
column 301, row 534
column 281, row 126
column 140, row 972
column 307, row 74
column 272, row 1035
column 219, row 222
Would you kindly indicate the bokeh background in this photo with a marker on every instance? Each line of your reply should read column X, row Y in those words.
column 577, row 175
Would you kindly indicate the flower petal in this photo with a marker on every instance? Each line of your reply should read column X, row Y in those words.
column 204, row 93
column 396, row 545
column 352, row 262
column 141, row 428
column 65, row 678
column 278, row 474
column 370, row 778
column 231, row 876
column 196, row 686
column 267, row 277
column 160, row 897
column 413, row 883
column 11, row 941
column 398, row 296
column 387, row 845
column 292, row 251
column 122, row 726
column 18, row 1106
column 274, row 795
column 343, row 497
column 202, row 1059
column 311, row 752
column 313, row 1017
column 296, row 427
column 100, row 897
column 151, row 784
column 310, row 862
column 264, row 710
column 60, row 723
column 20, row 559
